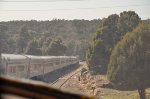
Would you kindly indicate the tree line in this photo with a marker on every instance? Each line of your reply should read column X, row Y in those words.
column 56, row 37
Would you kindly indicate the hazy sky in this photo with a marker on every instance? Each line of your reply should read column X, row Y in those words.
column 69, row 9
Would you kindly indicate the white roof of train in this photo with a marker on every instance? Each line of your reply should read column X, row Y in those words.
column 13, row 56
column 19, row 56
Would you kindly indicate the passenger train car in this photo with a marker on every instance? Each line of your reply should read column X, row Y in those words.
column 28, row 66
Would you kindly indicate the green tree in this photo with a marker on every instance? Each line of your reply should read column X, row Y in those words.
column 2, row 43
column 56, row 47
column 71, row 48
column 68, row 30
column 3, row 37
column 46, row 44
column 33, row 48
column 129, row 62
column 128, row 21
column 96, row 62
column 23, row 38
column 109, row 33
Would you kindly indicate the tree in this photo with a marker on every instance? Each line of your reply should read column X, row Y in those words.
column 46, row 44
column 56, row 47
column 3, row 36
column 128, row 21
column 23, row 38
column 109, row 33
column 68, row 30
column 33, row 48
column 71, row 48
column 129, row 62
column 2, row 43
column 95, row 60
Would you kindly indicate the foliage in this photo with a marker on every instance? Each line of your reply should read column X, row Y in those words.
column 2, row 44
column 129, row 62
column 56, row 48
column 94, row 59
column 3, row 36
column 33, row 48
column 22, row 40
column 109, row 33
column 75, row 34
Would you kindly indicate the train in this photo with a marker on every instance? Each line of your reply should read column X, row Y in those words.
column 28, row 66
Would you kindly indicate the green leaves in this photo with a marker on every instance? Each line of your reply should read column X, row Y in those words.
column 33, row 48
column 129, row 60
column 109, row 33
column 56, row 48
column 22, row 39
column 20, row 34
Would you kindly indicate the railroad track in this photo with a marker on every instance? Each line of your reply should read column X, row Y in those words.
column 61, row 81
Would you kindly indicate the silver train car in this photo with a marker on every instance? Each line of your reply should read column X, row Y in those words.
column 28, row 66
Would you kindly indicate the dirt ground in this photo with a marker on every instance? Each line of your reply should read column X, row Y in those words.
column 98, row 86
column 84, row 83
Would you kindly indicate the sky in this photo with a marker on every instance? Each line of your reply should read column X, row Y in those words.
column 69, row 9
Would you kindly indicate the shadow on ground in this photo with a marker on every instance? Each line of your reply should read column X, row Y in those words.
column 54, row 75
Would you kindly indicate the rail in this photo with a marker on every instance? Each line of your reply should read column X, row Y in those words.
column 66, row 79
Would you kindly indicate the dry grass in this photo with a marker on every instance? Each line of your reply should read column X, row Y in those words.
column 115, row 94
column 107, row 93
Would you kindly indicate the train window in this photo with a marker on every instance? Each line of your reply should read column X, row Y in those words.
column 50, row 64
column 57, row 63
column 31, row 67
column 37, row 66
column 9, row 69
column 67, row 60
column 34, row 66
column 21, row 68
column 12, row 69
column 46, row 64
column 62, row 62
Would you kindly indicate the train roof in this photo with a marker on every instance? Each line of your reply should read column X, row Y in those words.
column 19, row 56
column 13, row 56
